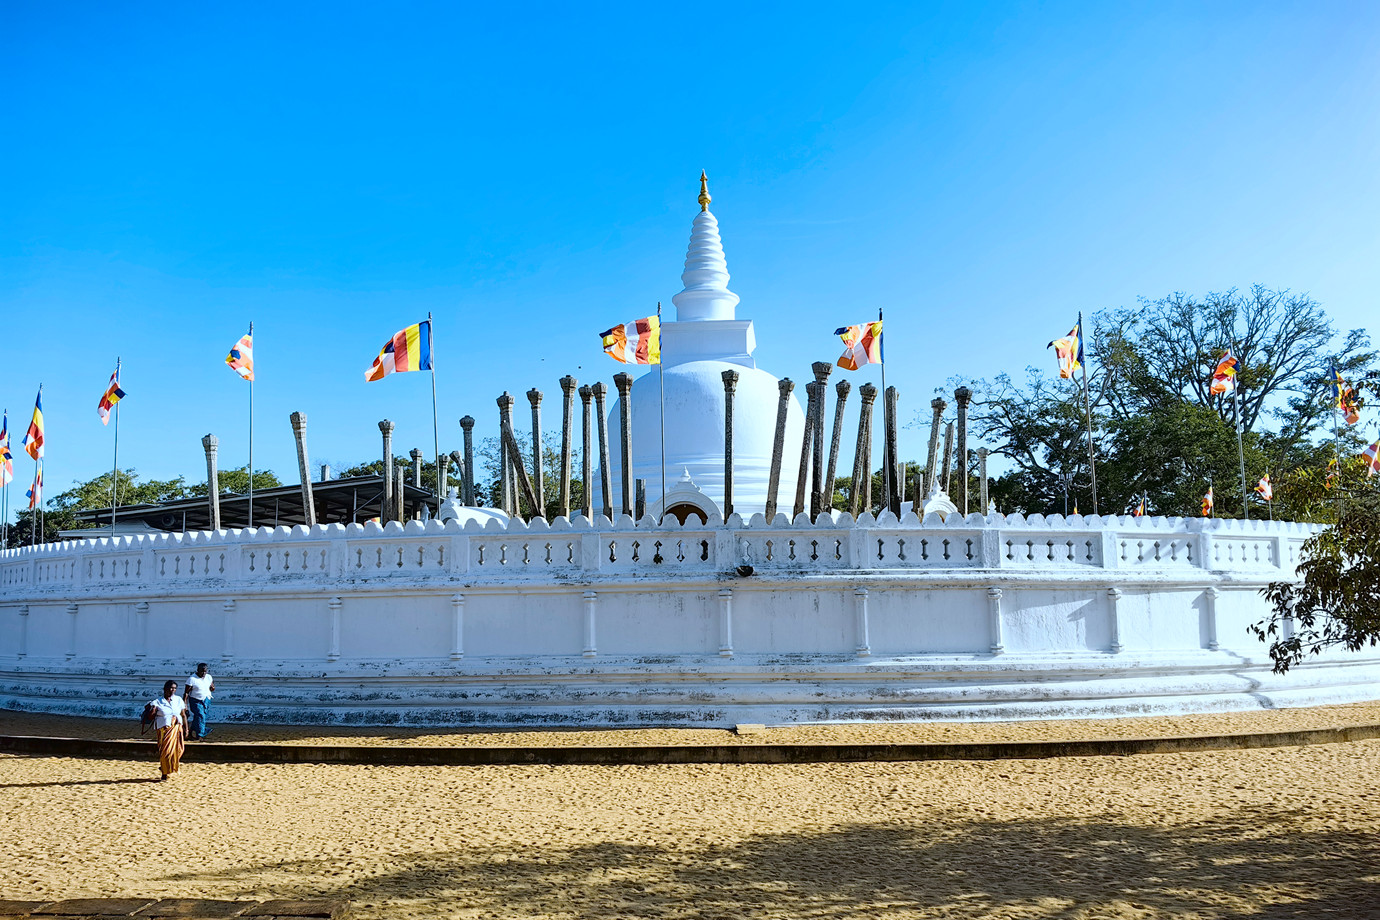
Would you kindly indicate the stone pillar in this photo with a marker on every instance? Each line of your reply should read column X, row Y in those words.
column 457, row 627
column 932, row 460
column 467, row 471
column 227, row 628
column 400, row 495
column 416, row 455
column 891, row 475
column 443, row 476
column 212, row 480
column 386, row 506
column 586, row 461
column 730, row 378
column 624, row 382
column 726, row 622
column 23, row 649
column 982, row 479
column 507, row 501
column 640, row 499
column 778, row 447
column 505, row 405
column 1114, row 618
column 591, row 649
column 814, row 394
column 600, row 392
column 841, row 388
column 948, row 456
column 72, row 610
column 325, row 472
column 962, row 396
column 538, row 489
column 568, row 386
column 861, row 492
column 1210, row 595
column 142, row 611
column 864, row 648
column 299, row 432
column 817, row 485
column 994, row 619
column 457, row 460
column 333, row 653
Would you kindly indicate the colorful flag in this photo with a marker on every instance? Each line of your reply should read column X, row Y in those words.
column 1224, row 378
column 113, row 394
column 408, row 350
column 637, row 342
column 1331, row 478
column 241, row 357
column 35, row 492
column 33, row 438
column 6, row 456
column 1139, row 509
column 1069, row 350
column 1371, row 455
column 1207, row 503
column 862, row 344
column 1344, row 396
column 1266, row 491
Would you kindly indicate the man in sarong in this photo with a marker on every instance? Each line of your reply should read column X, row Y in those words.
column 170, row 719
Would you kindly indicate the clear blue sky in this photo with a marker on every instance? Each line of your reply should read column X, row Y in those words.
column 334, row 171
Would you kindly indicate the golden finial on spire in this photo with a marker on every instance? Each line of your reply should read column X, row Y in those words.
column 704, row 192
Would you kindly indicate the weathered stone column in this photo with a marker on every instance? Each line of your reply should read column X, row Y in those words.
column 457, row 459
column 948, row 455
column 932, row 460
column 568, row 386
column 325, row 473
column 519, row 472
column 862, row 456
column 962, row 396
column 891, row 475
column 982, row 479
column 817, row 501
column 538, row 489
column 467, row 468
column 386, row 505
column 506, row 499
column 640, row 499
column 442, row 477
column 299, row 432
column 624, row 382
column 814, row 394
column 841, row 388
column 416, row 455
column 605, row 474
column 730, row 378
column 586, row 461
column 778, row 447
column 212, row 480
column 400, row 495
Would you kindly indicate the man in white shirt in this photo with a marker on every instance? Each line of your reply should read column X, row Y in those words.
column 170, row 718
column 200, row 686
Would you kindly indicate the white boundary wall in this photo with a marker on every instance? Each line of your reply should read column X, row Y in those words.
column 622, row 623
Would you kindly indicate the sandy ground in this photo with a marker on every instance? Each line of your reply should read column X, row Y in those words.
column 1285, row 832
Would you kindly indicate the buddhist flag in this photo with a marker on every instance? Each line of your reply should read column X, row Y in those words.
column 1345, row 397
column 35, row 492
column 1371, row 456
column 1069, row 350
column 33, row 438
column 6, row 456
column 1139, row 509
column 1207, row 503
column 1331, row 479
column 637, row 342
column 241, row 357
column 1224, row 378
column 862, row 344
column 1266, row 491
column 113, row 394
column 408, row 350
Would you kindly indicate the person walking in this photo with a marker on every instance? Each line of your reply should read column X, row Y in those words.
column 200, row 687
column 169, row 716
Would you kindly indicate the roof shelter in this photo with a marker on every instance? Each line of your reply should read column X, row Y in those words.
column 338, row 501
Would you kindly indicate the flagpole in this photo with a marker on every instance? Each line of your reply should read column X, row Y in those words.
column 435, row 418
column 250, row 521
column 1087, row 410
column 1337, row 443
column 1240, row 442
column 115, row 464
column 661, row 382
column 888, row 462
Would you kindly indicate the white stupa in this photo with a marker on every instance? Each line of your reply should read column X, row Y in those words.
column 706, row 339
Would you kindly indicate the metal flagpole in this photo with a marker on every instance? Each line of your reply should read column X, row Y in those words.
column 661, row 381
column 1240, row 440
column 115, row 465
column 887, row 462
column 1336, row 444
column 435, row 422
column 252, row 375
column 1087, row 409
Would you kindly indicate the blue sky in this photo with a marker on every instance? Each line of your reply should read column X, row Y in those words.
column 335, row 171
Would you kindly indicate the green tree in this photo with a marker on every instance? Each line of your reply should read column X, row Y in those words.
column 237, row 481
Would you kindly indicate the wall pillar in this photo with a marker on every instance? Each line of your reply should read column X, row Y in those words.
column 600, row 392
column 227, row 632
column 994, row 619
column 141, row 611
column 962, row 396
column 730, row 378
column 538, row 489
column 778, row 447
column 891, row 476
column 442, row 478
column 212, row 480
column 23, row 650
column 568, row 386
column 386, row 505
column 802, row 476
column 1210, row 596
column 726, row 622
column 821, row 370
column 586, row 461
column 841, row 388
column 624, row 382
column 72, row 630
column 590, row 649
column 457, row 627
column 860, row 614
column 1114, row 596
column 299, row 434
column 932, row 459
column 467, row 472
column 860, row 495
column 333, row 653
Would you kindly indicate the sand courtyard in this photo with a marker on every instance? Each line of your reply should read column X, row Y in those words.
column 1283, row 832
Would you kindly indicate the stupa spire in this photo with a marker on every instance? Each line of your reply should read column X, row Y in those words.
column 706, row 295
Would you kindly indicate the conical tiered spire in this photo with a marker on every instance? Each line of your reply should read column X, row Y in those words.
column 706, row 295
